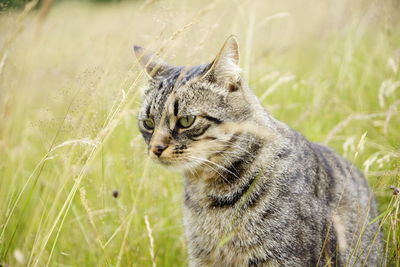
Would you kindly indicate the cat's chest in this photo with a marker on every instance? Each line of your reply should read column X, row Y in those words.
column 201, row 218
column 207, row 230
column 219, row 237
column 209, row 225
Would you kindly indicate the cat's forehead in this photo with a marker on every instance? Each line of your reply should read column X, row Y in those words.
column 168, row 84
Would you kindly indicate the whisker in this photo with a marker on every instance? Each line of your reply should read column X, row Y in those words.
column 235, row 146
column 220, row 166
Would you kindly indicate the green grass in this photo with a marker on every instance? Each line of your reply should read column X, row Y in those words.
column 70, row 90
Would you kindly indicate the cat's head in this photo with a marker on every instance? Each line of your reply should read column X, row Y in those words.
column 185, row 110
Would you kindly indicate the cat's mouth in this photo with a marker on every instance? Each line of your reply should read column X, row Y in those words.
column 184, row 160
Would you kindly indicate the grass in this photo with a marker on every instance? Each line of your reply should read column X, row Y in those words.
column 70, row 90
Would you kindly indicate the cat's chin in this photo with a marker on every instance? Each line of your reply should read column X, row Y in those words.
column 178, row 166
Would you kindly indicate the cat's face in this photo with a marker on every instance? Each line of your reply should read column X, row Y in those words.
column 185, row 111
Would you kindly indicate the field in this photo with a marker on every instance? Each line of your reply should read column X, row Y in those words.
column 76, row 186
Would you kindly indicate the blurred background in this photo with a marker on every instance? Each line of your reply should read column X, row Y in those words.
column 76, row 185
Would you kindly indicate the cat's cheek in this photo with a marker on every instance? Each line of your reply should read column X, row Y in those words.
column 146, row 136
column 207, row 147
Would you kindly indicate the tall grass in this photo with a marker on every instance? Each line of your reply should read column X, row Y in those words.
column 76, row 186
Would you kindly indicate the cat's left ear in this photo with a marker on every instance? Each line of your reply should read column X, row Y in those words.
column 225, row 67
column 152, row 64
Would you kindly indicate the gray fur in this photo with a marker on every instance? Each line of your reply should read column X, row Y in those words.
column 257, row 193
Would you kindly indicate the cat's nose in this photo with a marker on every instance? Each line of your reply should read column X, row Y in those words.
column 158, row 149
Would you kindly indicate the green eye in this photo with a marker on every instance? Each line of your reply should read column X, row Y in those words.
column 186, row 121
column 148, row 124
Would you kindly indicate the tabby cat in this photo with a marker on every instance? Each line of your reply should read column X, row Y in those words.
column 257, row 193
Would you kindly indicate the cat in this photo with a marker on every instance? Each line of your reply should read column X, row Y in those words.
column 256, row 192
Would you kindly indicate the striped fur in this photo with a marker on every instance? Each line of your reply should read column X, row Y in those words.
column 257, row 193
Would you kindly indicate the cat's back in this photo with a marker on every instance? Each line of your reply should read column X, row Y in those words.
column 320, row 166
column 336, row 195
column 345, row 178
column 353, row 207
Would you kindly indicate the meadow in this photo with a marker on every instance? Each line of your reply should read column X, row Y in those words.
column 76, row 185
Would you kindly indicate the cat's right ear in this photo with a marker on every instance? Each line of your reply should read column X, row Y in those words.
column 225, row 67
column 152, row 64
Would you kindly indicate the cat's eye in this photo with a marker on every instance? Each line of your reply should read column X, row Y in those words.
column 186, row 121
column 148, row 124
